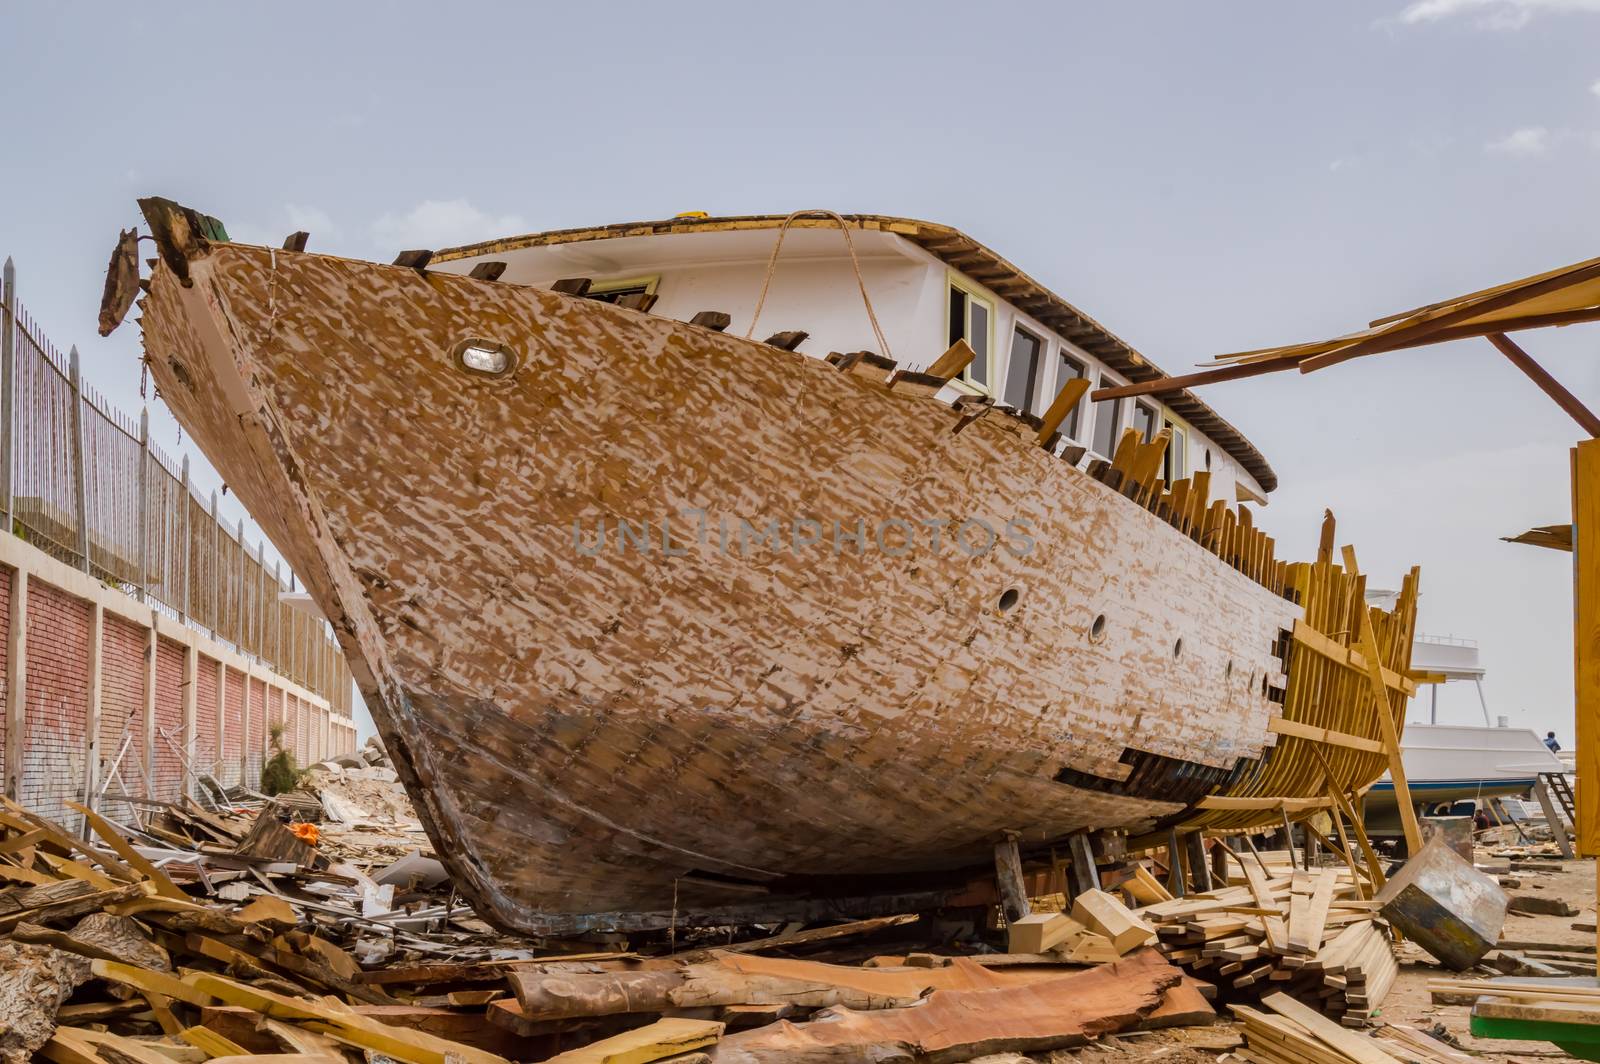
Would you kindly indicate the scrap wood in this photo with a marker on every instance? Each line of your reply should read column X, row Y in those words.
column 820, row 934
column 34, row 982
column 664, row 1038
column 102, row 936
column 961, row 1024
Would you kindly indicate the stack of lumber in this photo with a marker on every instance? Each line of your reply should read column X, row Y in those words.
column 109, row 956
column 1289, row 1032
column 1311, row 935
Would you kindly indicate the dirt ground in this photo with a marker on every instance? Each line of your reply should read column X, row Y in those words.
column 1408, row 1002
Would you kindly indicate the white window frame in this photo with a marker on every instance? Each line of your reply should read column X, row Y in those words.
column 973, row 291
column 1105, row 380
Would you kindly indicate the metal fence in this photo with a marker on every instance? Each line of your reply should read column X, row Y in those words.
column 82, row 481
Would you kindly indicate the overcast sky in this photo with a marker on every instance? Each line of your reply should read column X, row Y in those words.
column 1200, row 177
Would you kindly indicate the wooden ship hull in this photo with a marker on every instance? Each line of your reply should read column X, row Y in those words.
column 697, row 723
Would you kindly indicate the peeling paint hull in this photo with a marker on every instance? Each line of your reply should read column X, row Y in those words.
column 679, row 721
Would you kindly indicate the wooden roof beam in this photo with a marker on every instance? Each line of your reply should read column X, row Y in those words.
column 1547, row 384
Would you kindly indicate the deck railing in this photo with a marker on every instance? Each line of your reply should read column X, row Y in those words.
column 83, row 481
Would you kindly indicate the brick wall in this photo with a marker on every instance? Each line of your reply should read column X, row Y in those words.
column 258, row 733
column 233, row 729
column 122, row 651
column 56, row 709
column 169, row 720
column 47, row 758
column 205, row 717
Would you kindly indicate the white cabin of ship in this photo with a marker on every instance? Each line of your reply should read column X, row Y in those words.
column 922, row 304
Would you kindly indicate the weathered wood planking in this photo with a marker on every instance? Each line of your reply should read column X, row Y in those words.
column 580, row 732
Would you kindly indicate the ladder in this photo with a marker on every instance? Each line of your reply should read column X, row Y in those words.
column 1557, row 782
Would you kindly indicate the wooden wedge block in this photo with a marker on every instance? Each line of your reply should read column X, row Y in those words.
column 1039, row 932
column 1104, row 914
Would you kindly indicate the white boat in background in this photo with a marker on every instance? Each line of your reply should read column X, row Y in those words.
column 1451, row 763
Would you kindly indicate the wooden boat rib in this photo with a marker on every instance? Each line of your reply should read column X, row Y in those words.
column 683, row 731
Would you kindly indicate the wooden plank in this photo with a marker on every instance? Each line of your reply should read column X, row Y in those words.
column 1339, row 654
column 953, row 361
column 1586, row 638
column 1061, row 406
column 664, row 1038
column 1326, row 736
column 146, row 980
column 113, row 838
column 1102, row 913
column 210, row 1042
column 1306, row 931
column 1385, row 714
column 1357, row 1047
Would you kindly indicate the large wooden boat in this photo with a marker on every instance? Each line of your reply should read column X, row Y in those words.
column 851, row 620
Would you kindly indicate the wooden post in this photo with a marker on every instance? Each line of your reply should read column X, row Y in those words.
column 1008, row 877
column 91, row 724
column 1085, row 876
column 16, row 683
column 80, row 476
column 1176, row 884
column 1552, row 817
column 1586, row 644
column 1219, row 864
column 215, row 572
column 1199, row 871
column 1386, row 722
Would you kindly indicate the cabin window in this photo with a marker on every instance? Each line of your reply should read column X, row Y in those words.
column 1107, row 421
column 612, row 291
column 971, row 319
column 1022, row 370
column 1144, row 419
column 1069, row 370
column 1175, row 463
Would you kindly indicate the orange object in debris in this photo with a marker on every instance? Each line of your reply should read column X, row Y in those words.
column 306, row 832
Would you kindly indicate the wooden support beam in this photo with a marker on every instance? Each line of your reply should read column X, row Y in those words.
column 1085, row 876
column 1167, row 385
column 1199, row 871
column 1061, row 407
column 1552, row 818
column 572, row 286
column 1386, row 721
column 1326, row 736
column 1586, row 639
column 487, row 271
column 1547, row 384
column 296, row 241
column 1008, row 877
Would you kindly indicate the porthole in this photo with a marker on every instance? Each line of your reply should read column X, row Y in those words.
column 1097, row 630
column 1008, row 599
column 484, row 358
column 1177, row 649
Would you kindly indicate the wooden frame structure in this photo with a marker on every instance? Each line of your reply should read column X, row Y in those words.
column 1563, row 296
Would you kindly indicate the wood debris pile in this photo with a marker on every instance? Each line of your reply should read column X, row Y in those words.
column 252, row 942
column 1277, row 928
column 1289, row 1032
